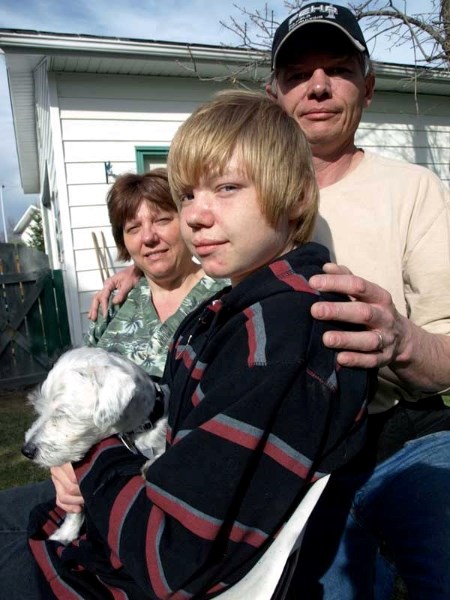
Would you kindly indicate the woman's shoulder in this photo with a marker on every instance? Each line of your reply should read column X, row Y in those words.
column 213, row 285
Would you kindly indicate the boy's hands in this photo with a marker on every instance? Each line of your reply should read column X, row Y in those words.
column 68, row 495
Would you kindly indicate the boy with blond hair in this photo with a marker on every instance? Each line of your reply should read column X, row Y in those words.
column 259, row 408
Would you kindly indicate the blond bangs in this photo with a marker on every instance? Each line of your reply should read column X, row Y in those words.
column 270, row 146
column 201, row 148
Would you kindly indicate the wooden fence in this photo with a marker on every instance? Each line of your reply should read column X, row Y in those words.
column 34, row 328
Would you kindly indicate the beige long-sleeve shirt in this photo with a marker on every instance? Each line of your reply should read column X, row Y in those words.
column 389, row 222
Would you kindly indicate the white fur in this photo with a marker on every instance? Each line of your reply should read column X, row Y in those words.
column 89, row 395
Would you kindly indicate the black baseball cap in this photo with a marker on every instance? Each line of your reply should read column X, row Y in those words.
column 319, row 13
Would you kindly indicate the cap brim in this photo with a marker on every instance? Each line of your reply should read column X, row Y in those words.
column 354, row 41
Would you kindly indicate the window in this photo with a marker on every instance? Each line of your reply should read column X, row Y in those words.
column 148, row 157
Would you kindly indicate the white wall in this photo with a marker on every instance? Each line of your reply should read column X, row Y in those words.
column 56, row 218
column 46, row 154
column 393, row 127
column 104, row 117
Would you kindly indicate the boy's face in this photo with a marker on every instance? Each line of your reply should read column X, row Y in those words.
column 222, row 224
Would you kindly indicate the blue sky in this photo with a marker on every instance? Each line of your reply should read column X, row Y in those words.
column 195, row 21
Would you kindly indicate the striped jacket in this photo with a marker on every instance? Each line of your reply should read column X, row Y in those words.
column 259, row 409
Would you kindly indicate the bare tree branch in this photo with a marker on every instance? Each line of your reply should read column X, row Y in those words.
column 234, row 76
column 428, row 34
column 260, row 23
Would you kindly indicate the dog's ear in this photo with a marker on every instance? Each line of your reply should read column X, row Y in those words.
column 114, row 392
column 34, row 397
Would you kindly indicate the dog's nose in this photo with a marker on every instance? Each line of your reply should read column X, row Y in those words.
column 29, row 450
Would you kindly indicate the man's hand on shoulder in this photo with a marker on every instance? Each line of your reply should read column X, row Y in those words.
column 418, row 358
column 385, row 329
column 121, row 282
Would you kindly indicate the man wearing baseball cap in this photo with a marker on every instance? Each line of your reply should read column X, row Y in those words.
column 389, row 223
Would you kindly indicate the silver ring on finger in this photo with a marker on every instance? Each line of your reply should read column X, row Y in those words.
column 380, row 346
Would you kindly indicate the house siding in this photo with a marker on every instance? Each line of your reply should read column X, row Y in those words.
column 408, row 128
column 45, row 155
column 104, row 117
column 56, row 218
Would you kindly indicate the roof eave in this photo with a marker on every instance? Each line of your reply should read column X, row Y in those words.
column 50, row 44
column 21, row 46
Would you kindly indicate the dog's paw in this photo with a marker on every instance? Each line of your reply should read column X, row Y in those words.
column 149, row 462
column 69, row 530
column 146, row 465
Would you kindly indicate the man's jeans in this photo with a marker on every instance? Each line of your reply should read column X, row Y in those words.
column 19, row 578
column 402, row 508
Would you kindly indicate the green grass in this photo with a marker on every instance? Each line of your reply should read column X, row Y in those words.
column 15, row 418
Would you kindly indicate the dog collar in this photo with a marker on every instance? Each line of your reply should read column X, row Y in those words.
column 160, row 406
column 157, row 413
column 128, row 442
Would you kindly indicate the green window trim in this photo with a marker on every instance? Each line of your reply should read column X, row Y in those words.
column 145, row 154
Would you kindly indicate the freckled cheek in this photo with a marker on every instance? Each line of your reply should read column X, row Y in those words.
column 185, row 231
column 172, row 237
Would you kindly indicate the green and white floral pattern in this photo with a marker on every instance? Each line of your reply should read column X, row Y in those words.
column 134, row 329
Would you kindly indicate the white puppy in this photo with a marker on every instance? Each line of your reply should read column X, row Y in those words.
column 89, row 395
